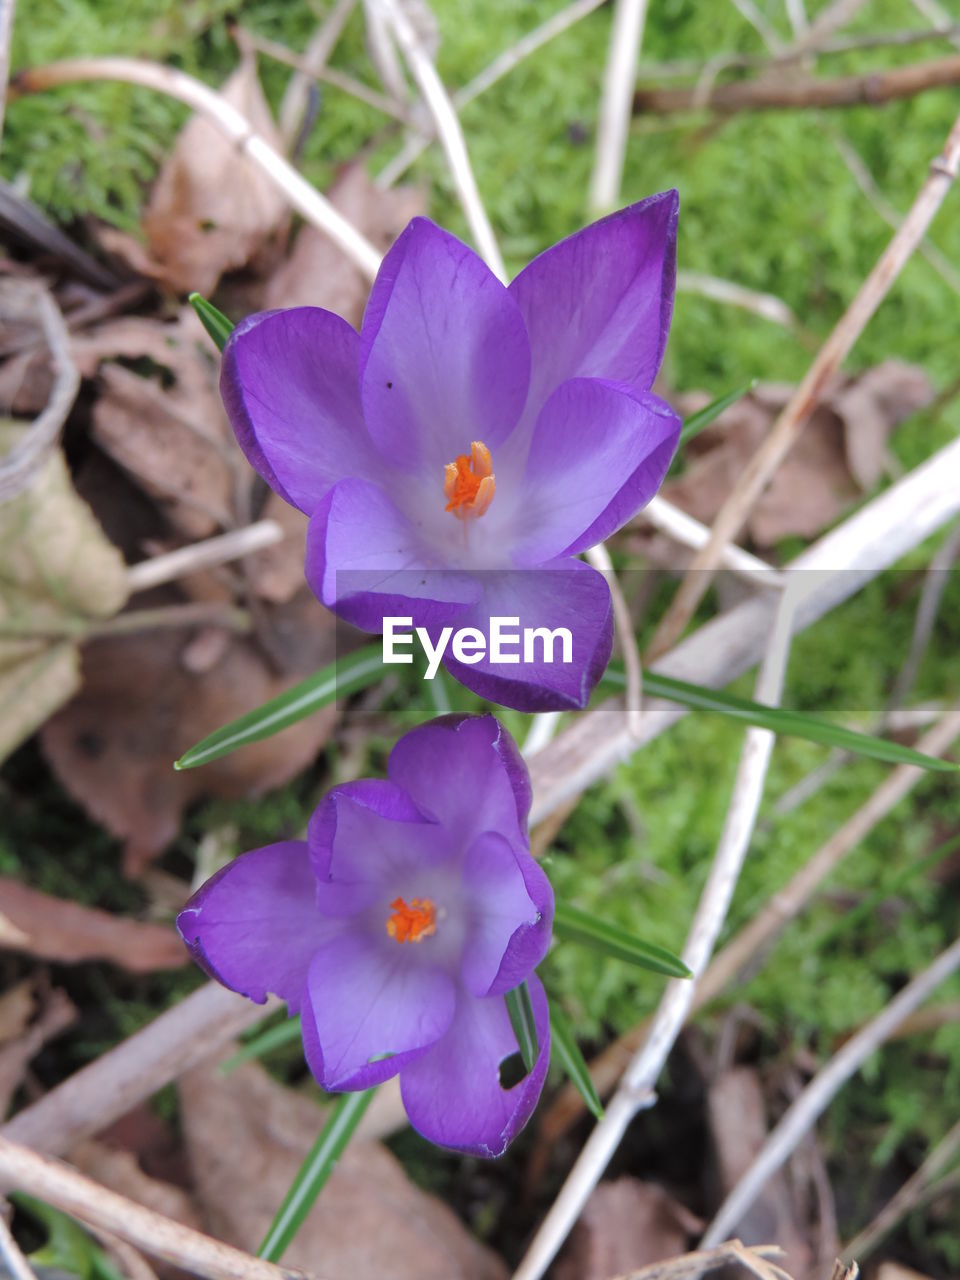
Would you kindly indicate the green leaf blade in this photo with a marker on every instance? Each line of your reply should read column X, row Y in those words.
column 698, row 421
column 314, row 1172
column 520, row 1009
column 573, row 1062
column 570, row 924
column 336, row 680
column 273, row 1038
column 215, row 322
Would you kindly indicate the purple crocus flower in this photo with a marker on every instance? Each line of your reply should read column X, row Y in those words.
column 457, row 454
column 395, row 929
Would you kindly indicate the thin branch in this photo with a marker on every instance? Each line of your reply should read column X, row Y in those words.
column 636, row 1090
column 936, row 15
column 448, row 128
column 7, row 8
column 203, row 555
column 10, row 1256
column 767, row 305
column 799, row 409
column 599, row 557
column 613, row 124
column 934, row 584
column 504, row 63
column 750, row 13
column 308, row 202
column 689, row 532
column 801, row 1116
column 689, row 1266
column 294, row 105
column 160, row 1237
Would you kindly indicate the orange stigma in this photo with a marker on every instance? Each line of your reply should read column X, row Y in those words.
column 469, row 483
column 413, row 923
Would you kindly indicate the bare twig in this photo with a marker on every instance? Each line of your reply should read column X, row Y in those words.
column 936, row 15
column 683, row 528
column 203, row 555
column 820, row 1092
column 935, row 581
column 788, row 427
column 293, row 107
column 6, row 32
column 160, row 1237
column 750, row 13
column 599, row 557
column 12, row 1259
column 635, row 1090
column 767, row 305
column 689, row 1266
column 308, row 202
column 613, row 124
column 448, row 128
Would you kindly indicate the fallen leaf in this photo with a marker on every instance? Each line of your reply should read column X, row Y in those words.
column 247, row 1136
column 56, row 1015
column 870, row 406
column 69, row 932
column 276, row 573
column 626, row 1224
column 16, row 1009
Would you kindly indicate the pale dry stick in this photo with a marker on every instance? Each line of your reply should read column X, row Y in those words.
column 382, row 51
column 636, row 1089
column 448, row 129
column 543, row 728
column 293, row 105
column 936, row 15
column 797, row 17
column 599, row 558
column 307, row 201
column 60, row 1185
column 690, row 1266
column 907, row 1198
column 504, row 63
column 767, row 305
column 831, row 18
column 18, row 1268
column 6, row 33
column 196, row 1030
column 203, row 555
column 616, row 103
column 935, row 582
column 683, row 528
column 750, row 13
column 788, row 427
column 801, row 1115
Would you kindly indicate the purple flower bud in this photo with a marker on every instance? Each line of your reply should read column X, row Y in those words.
column 396, row 928
column 457, row 454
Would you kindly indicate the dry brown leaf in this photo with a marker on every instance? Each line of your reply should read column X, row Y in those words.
column 247, row 1137
column 317, row 273
column 626, row 1224
column 870, row 406
column 56, row 1015
column 58, row 571
column 276, row 573
column 16, row 1010
column 69, row 933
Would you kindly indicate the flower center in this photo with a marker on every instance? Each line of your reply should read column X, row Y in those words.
column 469, row 483
column 413, row 923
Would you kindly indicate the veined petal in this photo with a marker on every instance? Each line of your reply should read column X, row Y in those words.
column 255, row 925
column 510, row 916
column 598, row 304
column 444, row 355
column 599, row 453
column 452, row 1094
column 289, row 381
column 368, row 998
column 565, row 594
column 367, row 561
column 450, row 763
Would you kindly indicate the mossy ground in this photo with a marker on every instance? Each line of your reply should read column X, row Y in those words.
column 766, row 200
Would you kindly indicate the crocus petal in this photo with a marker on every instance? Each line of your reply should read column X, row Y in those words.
column 510, row 905
column 255, row 926
column 468, row 772
column 444, row 355
column 452, row 1094
column 370, row 997
column 366, row 560
column 598, row 304
column 564, row 594
column 363, row 839
column 289, row 383
column 599, row 453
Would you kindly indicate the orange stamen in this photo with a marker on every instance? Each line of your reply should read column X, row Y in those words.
column 469, row 483
column 413, row 923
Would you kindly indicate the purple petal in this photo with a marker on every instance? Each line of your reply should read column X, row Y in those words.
column 453, row 1095
column 599, row 453
column 450, row 764
column 290, row 386
column 369, row 997
column 510, row 906
column 255, row 926
column 598, row 304
column 367, row 561
column 566, row 594
column 444, row 355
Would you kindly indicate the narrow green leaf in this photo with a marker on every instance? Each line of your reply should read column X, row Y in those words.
column 572, row 1061
column 314, row 1172
column 697, row 421
column 273, row 1038
column 68, row 1247
column 521, row 1019
column 337, row 680
column 573, row 925
column 795, row 724
column 215, row 322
